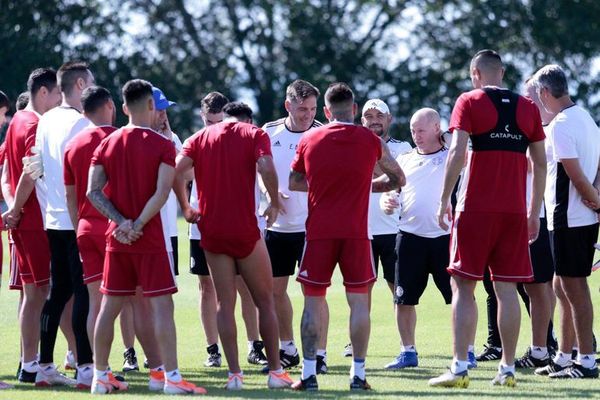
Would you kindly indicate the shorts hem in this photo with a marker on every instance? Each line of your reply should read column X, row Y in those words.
column 92, row 279
column 516, row 279
column 464, row 275
column 161, row 292
column 308, row 282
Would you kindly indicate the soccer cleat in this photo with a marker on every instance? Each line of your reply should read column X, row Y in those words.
column 235, row 381
column 107, row 384
column 347, row 350
column 279, row 381
column 256, row 355
column 359, row 384
column 551, row 368
column 156, row 380
column 49, row 376
column 472, row 360
column 182, row 387
column 26, row 376
column 490, row 353
column 448, row 379
column 309, row 384
column 214, row 357
column 84, row 378
column 288, row 361
column 19, row 371
column 70, row 363
column 146, row 365
column 529, row 361
column 576, row 371
column 505, row 379
column 130, row 362
column 321, row 365
column 406, row 359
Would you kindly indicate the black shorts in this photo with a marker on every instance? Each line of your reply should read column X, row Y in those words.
column 573, row 250
column 198, row 265
column 175, row 255
column 285, row 251
column 384, row 252
column 541, row 255
column 417, row 258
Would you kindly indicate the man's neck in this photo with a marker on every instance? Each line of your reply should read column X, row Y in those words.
column 33, row 106
column 291, row 126
column 73, row 101
column 563, row 102
column 98, row 121
column 143, row 121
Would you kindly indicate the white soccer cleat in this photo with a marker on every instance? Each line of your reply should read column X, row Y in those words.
column 235, row 382
column 49, row 376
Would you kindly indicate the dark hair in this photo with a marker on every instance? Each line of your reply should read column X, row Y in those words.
column 238, row 109
column 213, row 103
column 339, row 93
column 300, row 90
column 93, row 98
column 39, row 78
column 4, row 102
column 488, row 60
column 136, row 91
column 68, row 74
column 22, row 101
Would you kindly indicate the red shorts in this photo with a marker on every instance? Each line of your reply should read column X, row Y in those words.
column 495, row 240
column 123, row 272
column 91, row 252
column 33, row 255
column 14, row 278
column 237, row 249
column 354, row 256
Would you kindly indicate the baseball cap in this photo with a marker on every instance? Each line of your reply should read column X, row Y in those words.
column 376, row 104
column 160, row 100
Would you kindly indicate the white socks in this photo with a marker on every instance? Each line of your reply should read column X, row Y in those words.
column 459, row 366
column 309, row 367
column 358, row 369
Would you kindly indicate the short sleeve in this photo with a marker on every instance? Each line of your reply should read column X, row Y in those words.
column 98, row 157
column 564, row 143
column 461, row 115
column 262, row 144
column 30, row 139
column 298, row 161
column 378, row 150
column 2, row 153
column 168, row 154
column 529, row 112
column 189, row 147
column 68, row 175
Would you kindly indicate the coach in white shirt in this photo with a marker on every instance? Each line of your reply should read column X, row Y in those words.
column 573, row 149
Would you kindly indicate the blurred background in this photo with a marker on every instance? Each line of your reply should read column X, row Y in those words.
column 411, row 53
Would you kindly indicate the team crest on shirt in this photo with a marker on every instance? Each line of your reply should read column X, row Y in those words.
column 399, row 292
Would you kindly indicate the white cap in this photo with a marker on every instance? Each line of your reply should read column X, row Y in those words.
column 376, row 104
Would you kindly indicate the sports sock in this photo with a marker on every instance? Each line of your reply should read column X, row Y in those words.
column 322, row 353
column 99, row 374
column 31, row 366
column 358, row 368
column 538, row 352
column 409, row 348
column 459, row 366
column 309, row 367
column 174, row 376
column 562, row 359
column 250, row 345
column 277, row 371
column 471, row 348
column 160, row 368
column 506, row 368
column 586, row 360
column 288, row 346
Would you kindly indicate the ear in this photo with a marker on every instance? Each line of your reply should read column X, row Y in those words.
column 327, row 113
column 354, row 109
column 287, row 104
column 125, row 110
column 80, row 83
column 389, row 118
column 363, row 121
column 151, row 104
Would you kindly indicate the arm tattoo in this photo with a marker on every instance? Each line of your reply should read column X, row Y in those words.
column 97, row 197
column 393, row 178
column 297, row 181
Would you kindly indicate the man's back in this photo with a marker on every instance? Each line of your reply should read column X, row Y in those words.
column 338, row 160
column 131, row 157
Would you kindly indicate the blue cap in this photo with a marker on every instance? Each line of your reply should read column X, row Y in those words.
column 160, row 100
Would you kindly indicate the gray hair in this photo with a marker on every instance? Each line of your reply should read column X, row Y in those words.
column 553, row 78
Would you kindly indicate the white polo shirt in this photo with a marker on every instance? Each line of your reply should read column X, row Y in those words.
column 171, row 204
column 55, row 129
column 379, row 222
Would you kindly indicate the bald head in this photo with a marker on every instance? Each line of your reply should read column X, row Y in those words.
column 426, row 115
column 425, row 130
column 486, row 69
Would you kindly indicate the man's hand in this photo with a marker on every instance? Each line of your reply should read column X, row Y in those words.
column 444, row 212
column 533, row 227
column 11, row 218
column 191, row 215
column 32, row 165
column 271, row 214
column 123, row 231
column 389, row 202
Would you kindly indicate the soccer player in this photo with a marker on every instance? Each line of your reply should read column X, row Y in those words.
column 501, row 126
column 335, row 164
column 573, row 149
column 134, row 166
column 422, row 246
column 225, row 158
column 24, row 217
column 211, row 112
column 285, row 238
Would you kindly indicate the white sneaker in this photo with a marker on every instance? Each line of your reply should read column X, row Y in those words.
column 70, row 363
column 279, row 381
column 235, row 381
column 49, row 376
column 156, row 382
column 85, row 375
column 107, row 384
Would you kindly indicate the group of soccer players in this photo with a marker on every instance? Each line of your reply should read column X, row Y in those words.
column 92, row 215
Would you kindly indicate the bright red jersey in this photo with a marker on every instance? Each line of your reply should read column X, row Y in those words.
column 338, row 161
column 78, row 156
column 225, row 156
column 501, row 124
column 20, row 137
column 131, row 157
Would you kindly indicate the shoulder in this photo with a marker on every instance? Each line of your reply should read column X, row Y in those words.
column 273, row 125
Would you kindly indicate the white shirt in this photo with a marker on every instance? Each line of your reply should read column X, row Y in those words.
column 171, row 204
column 572, row 134
column 283, row 147
column 529, row 188
column 419, row 199
column 194, row 232
column 379, row 222
column 55, row 129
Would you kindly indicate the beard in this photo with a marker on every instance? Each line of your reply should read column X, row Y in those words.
column 377, row 129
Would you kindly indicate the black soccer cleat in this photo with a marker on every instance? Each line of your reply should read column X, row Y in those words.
column 359, row 384
column 309, row 384
column 256, row 355
column 490, row 353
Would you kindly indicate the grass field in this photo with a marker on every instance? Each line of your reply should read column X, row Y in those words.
column 433, row 342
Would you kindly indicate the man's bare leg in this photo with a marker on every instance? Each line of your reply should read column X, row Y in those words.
column 208, row 309
column 105, row 329
column 509, row 320
column 540, row 305
column 29, row 319
column 94, row 310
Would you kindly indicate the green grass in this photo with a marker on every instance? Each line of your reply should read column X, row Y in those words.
column 433, row 341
